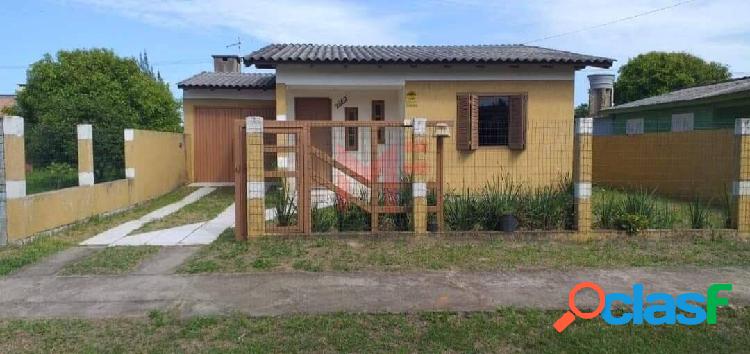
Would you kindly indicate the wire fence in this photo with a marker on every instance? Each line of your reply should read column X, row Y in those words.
column 51, row 158
column 662, row 177
column 109, row 154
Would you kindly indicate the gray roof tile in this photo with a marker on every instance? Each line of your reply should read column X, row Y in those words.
column 273, row 54
column 693, row 93
column 229, row 80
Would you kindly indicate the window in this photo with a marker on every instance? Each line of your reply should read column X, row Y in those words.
column 494, row 112
column 683, row 122
column 351, row 138
column 378, row 114
column 491, row 120
column 634, row 126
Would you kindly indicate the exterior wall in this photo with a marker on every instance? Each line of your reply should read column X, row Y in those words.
column 681, row 165
column 159, row 163
column 548, row 156
column 189, row 106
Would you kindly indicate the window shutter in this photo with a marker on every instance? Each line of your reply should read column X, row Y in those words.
column 467, row 127
column 517, row 123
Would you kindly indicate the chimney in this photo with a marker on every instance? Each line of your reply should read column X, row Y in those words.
column 227, row 63
column 601, row 93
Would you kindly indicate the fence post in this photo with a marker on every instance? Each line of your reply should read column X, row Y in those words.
column 85, row 155
column 256, row 192
column 741, row 186
column 129, row 135
column 419, row 173
column 14, row 154
column 582, row 146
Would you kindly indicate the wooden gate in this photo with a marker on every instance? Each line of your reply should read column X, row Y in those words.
column 360, row 173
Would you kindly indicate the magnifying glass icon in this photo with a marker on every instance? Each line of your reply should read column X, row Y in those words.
column 568, row 317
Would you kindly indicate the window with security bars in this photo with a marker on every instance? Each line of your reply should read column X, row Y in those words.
column 378, row 114
column 352, row 133
column 494, row 113
column 491, row 120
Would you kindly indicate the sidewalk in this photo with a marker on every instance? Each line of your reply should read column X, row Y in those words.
column 288, row 293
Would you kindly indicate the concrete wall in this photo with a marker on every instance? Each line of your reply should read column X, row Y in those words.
column 158, row 160
column 680, row 164
column 189, row 106
column 548, row 156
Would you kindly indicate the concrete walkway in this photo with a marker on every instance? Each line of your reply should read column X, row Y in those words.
column 117, row 233
column 201, row 233
column 289, row 293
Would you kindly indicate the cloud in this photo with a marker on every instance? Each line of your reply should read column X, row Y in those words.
column 278, row 21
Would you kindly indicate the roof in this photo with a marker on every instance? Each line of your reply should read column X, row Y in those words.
column 689, row 94
column 269, row 56
column 229, row 80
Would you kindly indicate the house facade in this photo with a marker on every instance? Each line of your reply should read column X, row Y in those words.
column 510, row 107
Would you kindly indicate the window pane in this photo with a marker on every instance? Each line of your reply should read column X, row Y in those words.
column 494, row 112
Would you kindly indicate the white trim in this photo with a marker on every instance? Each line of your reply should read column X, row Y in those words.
column 742, row 126
column 741, row 188
column 254, row 125
column 129, row 134
column 281, row 117
column 15, row 189
column 585, row 126
column 85, row 131
column 85, row 178
column 229, row 94
column 419, row 189
column 13, row 125
column 211, row 184
column 683, row 122
column 256, row 190
column 582, row 190
column 420, row 126
column 130, row 173
column 398, row 74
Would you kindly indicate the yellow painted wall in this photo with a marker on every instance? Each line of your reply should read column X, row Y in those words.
column 679, row 164
column 548, row 156
column 159, row 161
column 189, row 106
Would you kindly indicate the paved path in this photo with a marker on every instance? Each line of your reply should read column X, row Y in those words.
column 287, row 293
column 193, row 234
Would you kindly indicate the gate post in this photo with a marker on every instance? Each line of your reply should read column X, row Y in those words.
column 85, row 155
column 419, row 173
column 741, row 186
column 256, row 192
column 582, row 162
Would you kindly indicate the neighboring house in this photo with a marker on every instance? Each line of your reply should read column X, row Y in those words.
column 7, row 101
column 665, row 142
column 511, row 106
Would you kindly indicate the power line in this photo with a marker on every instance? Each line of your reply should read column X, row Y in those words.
column 623, row 19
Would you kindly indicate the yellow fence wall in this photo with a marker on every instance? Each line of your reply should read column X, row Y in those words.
column 548, row 156
column 159, row 162
column 679, row 164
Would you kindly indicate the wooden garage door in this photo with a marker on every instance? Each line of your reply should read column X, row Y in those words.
column 213, row 140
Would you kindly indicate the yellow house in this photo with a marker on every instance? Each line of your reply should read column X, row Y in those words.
column 510, row 106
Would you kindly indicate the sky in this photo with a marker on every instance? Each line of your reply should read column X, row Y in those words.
column 180, row 35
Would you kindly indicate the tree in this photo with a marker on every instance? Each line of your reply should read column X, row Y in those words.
column 96, row 87
column 657, row 73
column 147, row 68
column 582, row 110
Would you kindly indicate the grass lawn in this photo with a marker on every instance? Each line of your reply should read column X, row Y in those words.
column 329, row 253
column 110, row 260
column 204, row 209
column 506, row 330
column 13, row 257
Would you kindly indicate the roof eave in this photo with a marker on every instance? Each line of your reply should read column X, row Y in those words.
column 675, row 104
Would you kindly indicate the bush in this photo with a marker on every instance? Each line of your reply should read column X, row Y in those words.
column 634, row 212
column 699, row 215
column 323, row 219
column 350, row 216
column 459, row 212
column 497, row 199
column 547, row 208
column 52, row 177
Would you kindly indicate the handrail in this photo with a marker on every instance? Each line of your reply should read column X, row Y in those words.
column 343, row 124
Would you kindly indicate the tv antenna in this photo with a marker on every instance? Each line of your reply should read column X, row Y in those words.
column 237, row 44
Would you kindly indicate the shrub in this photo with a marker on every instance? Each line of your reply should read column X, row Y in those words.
column 699, row 214
column 497, row 199
column 323, row 219
column 459, row 211
column 548, row 207
column 350, row 216
column 52, row 177
column 634, row 212
column 284, row 203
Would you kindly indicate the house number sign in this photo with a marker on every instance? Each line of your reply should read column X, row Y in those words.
column 342, row 101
